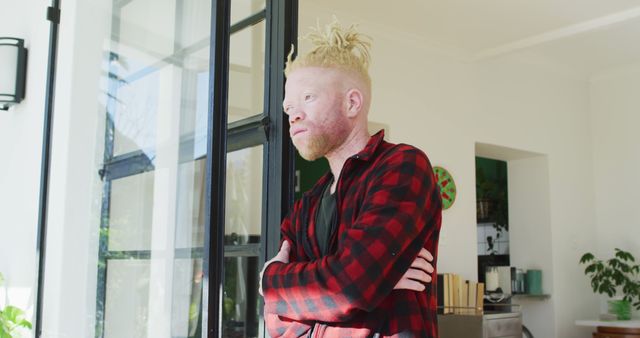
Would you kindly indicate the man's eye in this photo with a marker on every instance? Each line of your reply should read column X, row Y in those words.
column 307, row 97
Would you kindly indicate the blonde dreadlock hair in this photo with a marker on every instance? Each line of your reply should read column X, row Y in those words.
column 335, row 47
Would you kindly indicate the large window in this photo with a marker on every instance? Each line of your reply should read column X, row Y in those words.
column 143, row 220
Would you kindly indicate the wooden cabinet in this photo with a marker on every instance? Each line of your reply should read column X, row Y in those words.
column 613, row 329
column 493, row 325
column 616, row 332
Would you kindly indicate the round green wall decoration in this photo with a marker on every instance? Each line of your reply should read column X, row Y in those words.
column 447, row 186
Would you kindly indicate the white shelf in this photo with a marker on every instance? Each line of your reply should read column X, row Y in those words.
column 633, row 324
column 527, row 295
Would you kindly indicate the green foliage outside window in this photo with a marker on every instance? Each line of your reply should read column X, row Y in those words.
column 11, row 319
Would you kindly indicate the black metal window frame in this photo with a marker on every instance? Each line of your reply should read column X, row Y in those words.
column 53, row 16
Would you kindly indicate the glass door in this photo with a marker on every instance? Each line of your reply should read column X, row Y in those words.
column 168, row 215
column 151, row 238
column 259, row 157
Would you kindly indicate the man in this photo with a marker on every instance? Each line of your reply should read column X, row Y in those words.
column 355, row 248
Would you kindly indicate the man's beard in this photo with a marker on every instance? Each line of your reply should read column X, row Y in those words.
column 316, row 146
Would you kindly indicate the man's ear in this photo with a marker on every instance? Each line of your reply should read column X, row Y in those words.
column 355, row 102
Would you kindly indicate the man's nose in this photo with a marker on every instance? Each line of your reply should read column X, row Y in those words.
column 295, row 117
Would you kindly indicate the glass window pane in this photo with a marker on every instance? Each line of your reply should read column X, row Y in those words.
column 240, row 304
column 127, row 299
column 131, row 212
column 142, row 36
column 194, row 28
column 194, row 131
column 139, row 183
column 135, row 115
column 150, row 41
column 242, row 242
column 187, row 298
column 145, row 31
column 190, row 213
column 246, row 72
column 243, row 213
column 241, row 9
column 158, row 98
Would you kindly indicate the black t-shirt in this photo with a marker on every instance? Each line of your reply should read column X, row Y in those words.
column 325, row 218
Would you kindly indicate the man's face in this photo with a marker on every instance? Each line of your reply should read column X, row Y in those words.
column 315, row 103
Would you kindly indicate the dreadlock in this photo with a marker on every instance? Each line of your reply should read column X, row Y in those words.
column 335, row 47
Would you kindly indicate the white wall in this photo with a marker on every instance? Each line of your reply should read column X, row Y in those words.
column 530, row 231
column 20, row 154
column 615, row 111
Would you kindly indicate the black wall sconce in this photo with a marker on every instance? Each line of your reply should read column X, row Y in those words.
column 13, row 71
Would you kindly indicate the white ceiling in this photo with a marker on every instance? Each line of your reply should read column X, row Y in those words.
column 586, row 35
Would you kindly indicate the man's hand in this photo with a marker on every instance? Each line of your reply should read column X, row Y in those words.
column 418, row 274
column 281, row 256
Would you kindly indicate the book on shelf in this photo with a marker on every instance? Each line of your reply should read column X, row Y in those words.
column 448, row 291
column 456, row 293
column 440, row 293
column 464, row 297
column 479, row 303
column 471, row 297
column 459, row 296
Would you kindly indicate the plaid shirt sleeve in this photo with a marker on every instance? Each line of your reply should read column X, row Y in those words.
column 373, row 253
column 276, row 325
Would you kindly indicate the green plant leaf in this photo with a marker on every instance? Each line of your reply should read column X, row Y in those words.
column 625, row 268
column 590, row 268
column 602, row 288
column 624, row 255
column 614, row 274
column 629, row 257
column 586, row 258
column 618, row 277
column 613, row 263
column 11, row 318
column 11, row 313
column 25, row 323
column 3, row 325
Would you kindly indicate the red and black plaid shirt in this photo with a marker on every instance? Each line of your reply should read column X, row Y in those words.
column 388, row 207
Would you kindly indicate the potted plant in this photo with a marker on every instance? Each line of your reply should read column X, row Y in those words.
column 607, row 277
column 11, row 318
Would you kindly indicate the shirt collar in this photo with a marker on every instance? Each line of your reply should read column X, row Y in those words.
column 365, row 154
column 371, row 147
